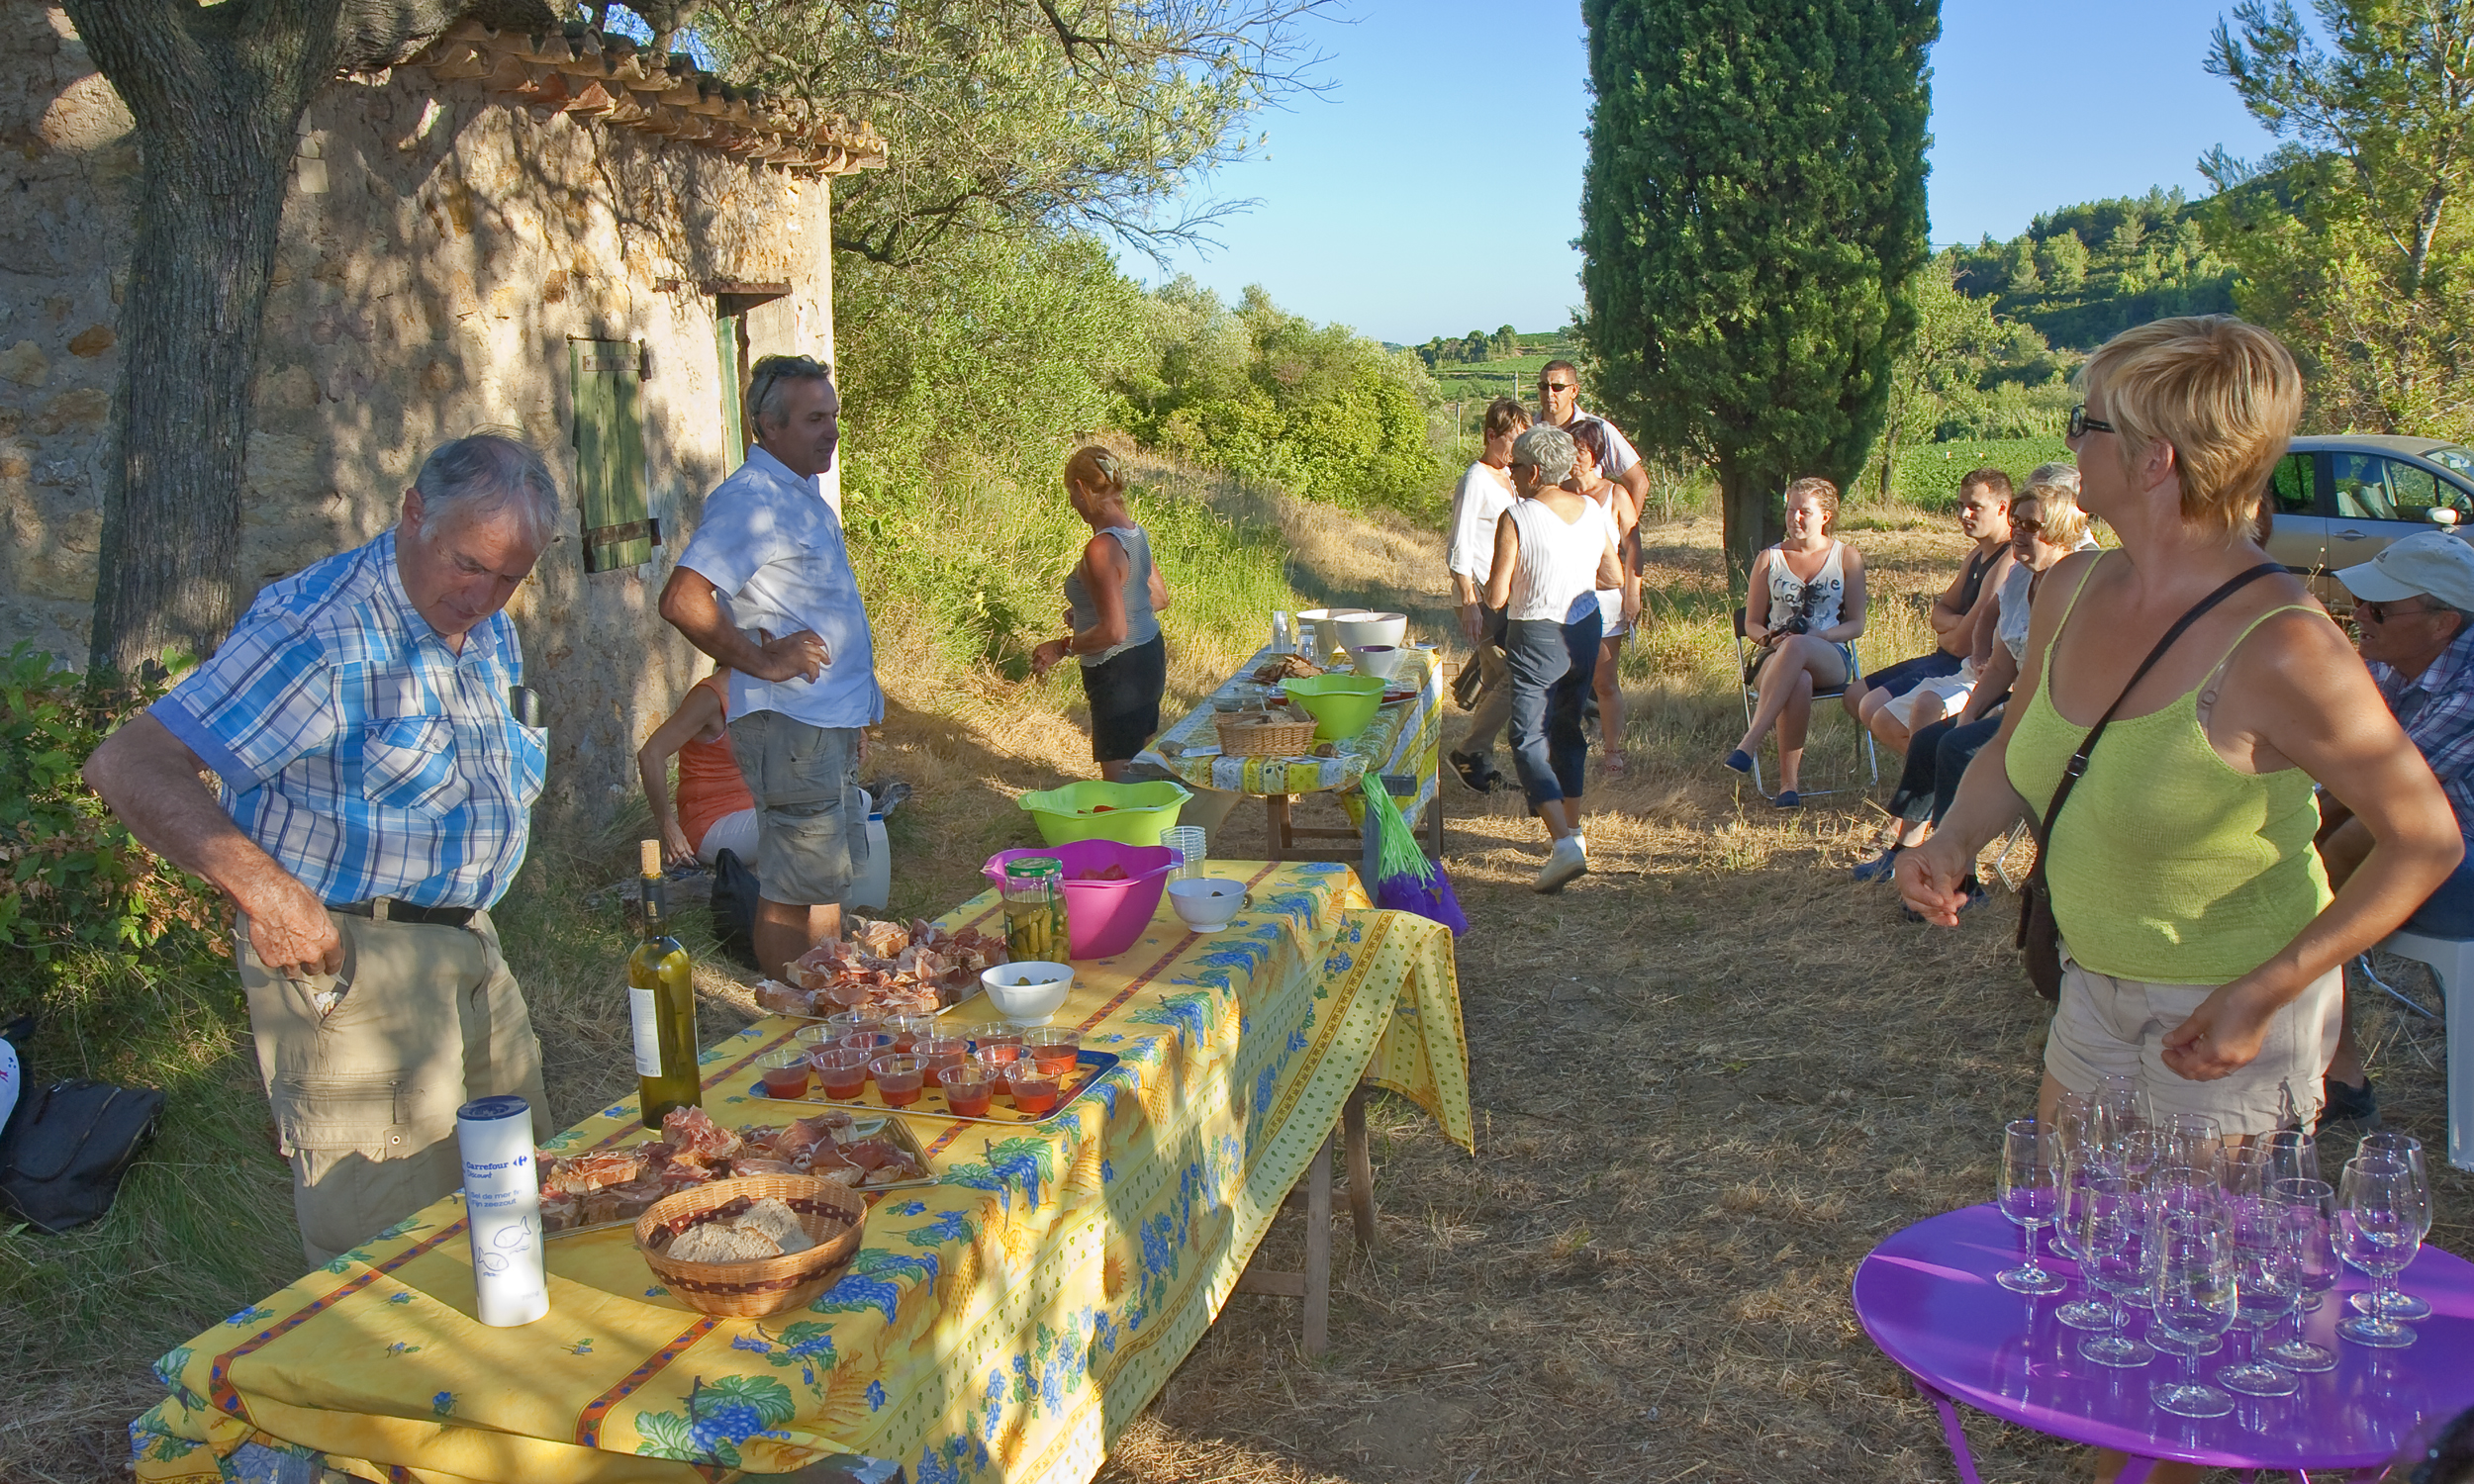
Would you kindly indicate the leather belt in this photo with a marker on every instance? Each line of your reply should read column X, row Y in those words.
column 388, row 909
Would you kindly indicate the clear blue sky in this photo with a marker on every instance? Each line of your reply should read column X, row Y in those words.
column 1436, row 188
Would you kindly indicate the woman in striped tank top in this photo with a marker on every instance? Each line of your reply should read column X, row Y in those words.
column 1807, row 604
column 1552, row 550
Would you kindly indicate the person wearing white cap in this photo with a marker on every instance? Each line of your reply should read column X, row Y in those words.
column 2415, row 611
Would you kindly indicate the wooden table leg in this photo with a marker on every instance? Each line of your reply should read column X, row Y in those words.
column 1433, row 820
column 1318, row 1253
column 1361, row 1167
column 1275, row 825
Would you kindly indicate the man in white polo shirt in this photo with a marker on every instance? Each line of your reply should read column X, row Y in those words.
column 795, row 635
column 1558, row 405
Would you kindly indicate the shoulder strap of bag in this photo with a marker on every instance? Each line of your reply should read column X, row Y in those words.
column 2078, row 760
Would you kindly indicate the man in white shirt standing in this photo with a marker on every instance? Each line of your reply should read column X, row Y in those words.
column 795, row 634
column 1485, row 494
column 1559, row 405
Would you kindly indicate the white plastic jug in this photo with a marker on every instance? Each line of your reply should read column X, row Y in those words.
column 873, row 886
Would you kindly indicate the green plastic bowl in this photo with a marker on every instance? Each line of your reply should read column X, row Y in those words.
column 1096, row 809
column 1341, row 704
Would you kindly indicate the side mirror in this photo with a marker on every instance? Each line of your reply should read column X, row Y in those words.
column 2445, row 516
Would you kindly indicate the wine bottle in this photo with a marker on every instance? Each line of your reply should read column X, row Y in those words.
column 661, row 999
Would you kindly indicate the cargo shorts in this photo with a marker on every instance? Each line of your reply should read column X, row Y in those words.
column 364, row 1069
column 2105, row 1026
column 810, row 825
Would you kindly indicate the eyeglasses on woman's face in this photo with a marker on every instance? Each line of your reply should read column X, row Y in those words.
column 2081, row 424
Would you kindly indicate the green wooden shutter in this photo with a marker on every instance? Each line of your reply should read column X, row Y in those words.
column 610, row 454
column 733, row 418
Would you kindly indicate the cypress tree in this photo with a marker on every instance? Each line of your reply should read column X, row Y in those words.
column 1753, row 212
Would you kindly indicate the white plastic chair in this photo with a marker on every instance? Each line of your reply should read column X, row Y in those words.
column 1751, row 699
column 2452, row 962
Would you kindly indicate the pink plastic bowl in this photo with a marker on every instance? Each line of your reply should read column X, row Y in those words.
column 1101, row 917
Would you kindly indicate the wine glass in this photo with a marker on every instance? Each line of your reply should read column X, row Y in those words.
column 2378, row 1230
column 2028, row 1198
column 2196, row 1282
column 2307, row 1225
column 2407, row 1151
column 2112, row 1247
column 2267, row 1285
column 2187, row 1138
column 2120, row 1110
column 2292, row 1155
column 2079, row 1171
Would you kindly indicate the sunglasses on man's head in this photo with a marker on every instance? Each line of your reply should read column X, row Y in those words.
column 2081, row 424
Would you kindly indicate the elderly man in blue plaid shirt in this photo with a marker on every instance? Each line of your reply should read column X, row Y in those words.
column 365, row 722
column 2413, row 610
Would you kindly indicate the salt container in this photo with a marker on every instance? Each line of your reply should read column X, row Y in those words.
column 503, row 1204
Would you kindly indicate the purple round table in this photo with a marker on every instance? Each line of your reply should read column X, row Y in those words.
column 1928, row 1299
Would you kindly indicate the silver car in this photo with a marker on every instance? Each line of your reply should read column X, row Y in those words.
column 2341, row 499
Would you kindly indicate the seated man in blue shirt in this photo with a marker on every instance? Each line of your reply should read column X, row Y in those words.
column 2415, row 602
column 377, row 785
column 795, row 635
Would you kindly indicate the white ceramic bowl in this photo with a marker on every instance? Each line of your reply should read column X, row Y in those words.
column 1027, row 993
column 1316, row 630
column 1379, row 660
column 1207, row 904
column 1357, row 627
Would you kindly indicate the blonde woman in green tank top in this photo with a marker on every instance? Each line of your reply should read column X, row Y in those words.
column 2204, row 950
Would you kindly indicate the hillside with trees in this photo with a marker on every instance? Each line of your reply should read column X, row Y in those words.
column 2083, row 274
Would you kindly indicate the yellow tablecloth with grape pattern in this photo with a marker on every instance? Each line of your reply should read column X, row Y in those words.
column 1005, row 1324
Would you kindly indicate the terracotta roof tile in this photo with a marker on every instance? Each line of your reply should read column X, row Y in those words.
column 622, row 86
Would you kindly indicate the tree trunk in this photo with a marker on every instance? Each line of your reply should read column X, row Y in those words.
column 1748, row 504
column 217, row 95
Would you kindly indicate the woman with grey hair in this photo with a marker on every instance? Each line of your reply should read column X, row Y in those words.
column 1554, row 549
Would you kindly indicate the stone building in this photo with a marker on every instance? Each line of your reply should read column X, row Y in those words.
column 552, row 234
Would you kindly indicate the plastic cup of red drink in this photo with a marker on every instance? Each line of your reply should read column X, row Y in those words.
column 969, row 1089
column 874, row 1043
column 785, row 1072
column 898, row 1079
column 1054, row 1048
column 849, row 1021
column 939, row 1052
column 908, row 1029
column 1034, row 1093
column 842, row 1070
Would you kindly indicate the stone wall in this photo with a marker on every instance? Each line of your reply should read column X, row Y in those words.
column 440, row 248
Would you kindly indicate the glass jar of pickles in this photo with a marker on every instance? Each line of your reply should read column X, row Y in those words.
column 1034, row 903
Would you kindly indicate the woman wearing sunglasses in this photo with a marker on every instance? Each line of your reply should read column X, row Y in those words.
column 2201, row 947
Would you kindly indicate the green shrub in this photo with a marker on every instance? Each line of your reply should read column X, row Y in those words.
column 74, row 884
column 1927, row 476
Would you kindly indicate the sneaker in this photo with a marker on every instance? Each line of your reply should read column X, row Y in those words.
column 2359, row 1106
column 1880, row 867
column 1569, row 858
column 1739, row 759
column 1475, row 770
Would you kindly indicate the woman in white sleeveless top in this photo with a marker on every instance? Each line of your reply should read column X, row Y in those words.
column 1807, row 603
column 1619, row 607
column 1552, row 550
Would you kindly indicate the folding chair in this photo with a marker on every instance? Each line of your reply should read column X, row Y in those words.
column 1751, row 699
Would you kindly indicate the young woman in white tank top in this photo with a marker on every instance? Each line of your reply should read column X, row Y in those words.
column 1807, row 604
column 1619, row 607
column 1552, row 550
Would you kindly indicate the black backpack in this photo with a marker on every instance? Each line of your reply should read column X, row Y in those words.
column 734, row 892
column 66, row 1146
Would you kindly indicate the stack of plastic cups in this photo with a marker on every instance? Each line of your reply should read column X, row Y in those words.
column 503, row 1203
column 1187, row 841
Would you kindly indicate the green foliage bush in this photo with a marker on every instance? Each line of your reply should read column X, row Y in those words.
column 1927, row 475
column 2084, row 273
column 75, row 886
column 1267, row 395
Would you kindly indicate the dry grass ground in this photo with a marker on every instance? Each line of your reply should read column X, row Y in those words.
column 1708, row 1078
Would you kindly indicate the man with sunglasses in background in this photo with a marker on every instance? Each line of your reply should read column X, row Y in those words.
column 1558, row 405
column 2414, row 607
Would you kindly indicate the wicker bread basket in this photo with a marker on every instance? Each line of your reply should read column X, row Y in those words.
column 829, row 1212
column 1255, row 734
